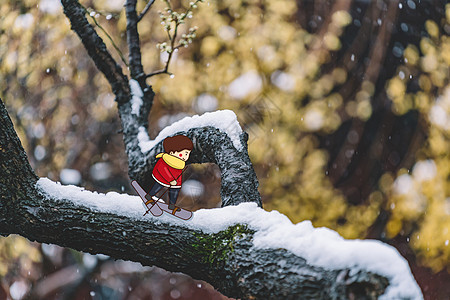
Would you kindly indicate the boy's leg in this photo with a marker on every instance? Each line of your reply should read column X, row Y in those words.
column 155, row 189
column 173, row 195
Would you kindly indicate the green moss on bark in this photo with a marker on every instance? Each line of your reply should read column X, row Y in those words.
column 217, row 247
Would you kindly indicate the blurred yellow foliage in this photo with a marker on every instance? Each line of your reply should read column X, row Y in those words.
column 423, row 195
column 17, row 250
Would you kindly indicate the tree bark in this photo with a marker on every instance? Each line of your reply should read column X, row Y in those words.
column 225, row 259
column 17, row 178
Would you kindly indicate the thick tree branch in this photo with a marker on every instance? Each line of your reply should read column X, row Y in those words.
column 240, row 271
column 136, row 69
column 17, row 177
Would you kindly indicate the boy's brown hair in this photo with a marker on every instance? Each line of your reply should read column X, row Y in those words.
column 177, row 143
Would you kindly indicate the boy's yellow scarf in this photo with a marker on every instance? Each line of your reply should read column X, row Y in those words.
column 172, row 161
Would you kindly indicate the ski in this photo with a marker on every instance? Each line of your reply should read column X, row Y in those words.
column 151, row 207
column 181, row 213
column 157, row 208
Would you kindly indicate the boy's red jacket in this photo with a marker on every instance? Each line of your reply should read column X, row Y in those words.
column 167, row 169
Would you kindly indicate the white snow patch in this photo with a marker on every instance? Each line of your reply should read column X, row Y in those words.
column 70, row 176
column 137, row 94
column 89, row 260
column 112, row 202
column 224, row 120
column 244, row 85
column 49, row 249
column 319, row 246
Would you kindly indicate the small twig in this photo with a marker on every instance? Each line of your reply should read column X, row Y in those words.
column 146, row 9
column 190, row 7
column 172, row 44
column 179, row 19
column 166, row 68
column 107, row 35
column 96, row 49
column 168, row 4
column 112, row 42
column 163, row 71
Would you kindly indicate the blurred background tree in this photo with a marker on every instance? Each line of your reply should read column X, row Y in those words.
column 347, row 104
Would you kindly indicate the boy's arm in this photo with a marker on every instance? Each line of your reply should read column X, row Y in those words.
column 174, row 181
column 165, row 173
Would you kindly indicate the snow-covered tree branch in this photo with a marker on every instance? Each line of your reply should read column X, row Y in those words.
column 242, row 250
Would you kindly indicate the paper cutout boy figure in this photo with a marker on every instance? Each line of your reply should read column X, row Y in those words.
column 169, row 168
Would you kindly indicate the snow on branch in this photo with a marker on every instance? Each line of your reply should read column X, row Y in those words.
column 320, row 247
column 224, row 120
column 136, row 97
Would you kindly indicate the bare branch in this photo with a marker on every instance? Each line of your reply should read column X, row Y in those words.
column 107, row 35
column 146, row 9
column 178, row 19
column 136, row 69
column 163, row 71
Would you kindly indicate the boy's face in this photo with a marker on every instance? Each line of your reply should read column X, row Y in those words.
column 183, row 154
